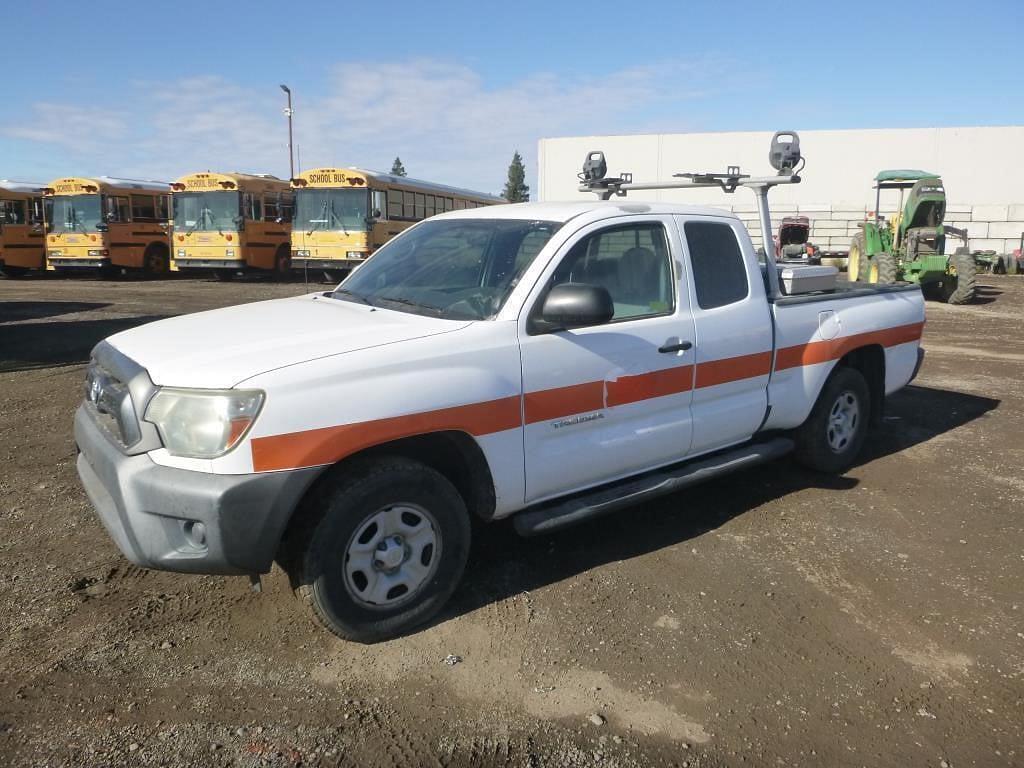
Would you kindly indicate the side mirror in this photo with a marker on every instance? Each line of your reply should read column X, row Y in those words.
column 102, row 227
column 375, row 214
column 574, row 305
column 279, row 220
column 239, row 221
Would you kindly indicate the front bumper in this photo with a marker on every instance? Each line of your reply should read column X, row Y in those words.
column 61, row 262
column 152, row 511
column 188, row 263
column 301, row 263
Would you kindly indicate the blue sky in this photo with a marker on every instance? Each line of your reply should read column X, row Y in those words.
column 161, row 89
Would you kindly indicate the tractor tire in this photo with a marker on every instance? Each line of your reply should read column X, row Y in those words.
column 855, row 260
column 962, row 290
column 833, row 435
column 882, row 269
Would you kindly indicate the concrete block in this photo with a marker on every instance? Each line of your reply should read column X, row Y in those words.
column 828, row 225
column 812, row 209
column 990, row 213
column 848, row 214
column 957, row 210
column 991, row 244
column 1005, row 229
column 1016, row 212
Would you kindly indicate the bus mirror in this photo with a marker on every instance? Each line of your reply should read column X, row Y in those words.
column 374, row 215
column 101, row 226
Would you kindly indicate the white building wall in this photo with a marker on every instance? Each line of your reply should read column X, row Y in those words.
column 982, row 168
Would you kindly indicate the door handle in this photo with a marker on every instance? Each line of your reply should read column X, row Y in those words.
column 681, row 346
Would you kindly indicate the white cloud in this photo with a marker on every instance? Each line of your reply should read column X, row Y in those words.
column 442, row 118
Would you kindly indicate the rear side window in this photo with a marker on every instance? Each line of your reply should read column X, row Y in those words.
column 719, row 274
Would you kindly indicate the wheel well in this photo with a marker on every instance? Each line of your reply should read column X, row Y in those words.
column 870, row 362
column 454, row 454
column 158, row 246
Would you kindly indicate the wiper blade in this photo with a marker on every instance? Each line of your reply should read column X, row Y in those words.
column 411, row 303
column 351, row 295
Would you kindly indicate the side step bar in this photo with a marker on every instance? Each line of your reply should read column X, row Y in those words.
column 562, row 513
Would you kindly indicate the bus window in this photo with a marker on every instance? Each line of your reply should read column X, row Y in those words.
column 421, row 205
column 286, row 208
column 460, row 205
column 143, row 208
column 379, row 203
column 271, row 206
column 36, row 211
column 162, row 206
column 118, row 209
column 429, row 209
column 409, row 208
column 395, row 205
column 252, row 207
column 12, row 211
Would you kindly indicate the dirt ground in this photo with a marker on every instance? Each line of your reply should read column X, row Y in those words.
column 772, row 618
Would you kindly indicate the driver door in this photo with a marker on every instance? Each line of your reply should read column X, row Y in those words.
column 612, row 400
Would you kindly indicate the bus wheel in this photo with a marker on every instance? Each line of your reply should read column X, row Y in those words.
column 283, row 263
column 155, row 261
column 224, row 275
column 13, row 272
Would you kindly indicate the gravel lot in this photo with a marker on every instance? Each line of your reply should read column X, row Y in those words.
column 772, row 618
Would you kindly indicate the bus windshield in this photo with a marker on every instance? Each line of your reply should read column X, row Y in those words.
column 457, row 269
column 75, row 213
column 331, row 209
column 206, row 211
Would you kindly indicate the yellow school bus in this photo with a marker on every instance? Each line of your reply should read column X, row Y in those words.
column 107, row 224
column 229, row 222
column 342, row 215
column 21, row 228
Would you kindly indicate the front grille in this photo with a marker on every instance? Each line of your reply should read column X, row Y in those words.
column 110, row 401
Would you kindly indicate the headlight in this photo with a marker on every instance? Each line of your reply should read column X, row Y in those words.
column 229, row 251
column 203, row 423
column 356, row 254
column 181, row 253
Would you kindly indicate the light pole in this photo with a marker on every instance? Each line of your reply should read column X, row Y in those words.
column 288, row 114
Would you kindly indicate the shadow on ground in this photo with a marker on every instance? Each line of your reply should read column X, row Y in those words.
column 17, row 311
column 503, row 564
column 28, row 346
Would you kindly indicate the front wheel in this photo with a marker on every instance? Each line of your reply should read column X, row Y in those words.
column 855, row 258
column 386, row 551
column 883, row 269
column 225, row 275
column 833, row 435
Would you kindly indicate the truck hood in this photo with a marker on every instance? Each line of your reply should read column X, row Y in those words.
column 220, row 348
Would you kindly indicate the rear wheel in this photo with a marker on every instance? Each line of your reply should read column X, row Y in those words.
column 962, row 288
column 833, row 435
column 882, row 269
column 855, row 258
column 385, row 550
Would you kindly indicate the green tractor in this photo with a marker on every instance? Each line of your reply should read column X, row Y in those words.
column 911, row 246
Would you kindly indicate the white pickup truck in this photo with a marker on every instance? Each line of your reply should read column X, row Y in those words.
column 547, row 361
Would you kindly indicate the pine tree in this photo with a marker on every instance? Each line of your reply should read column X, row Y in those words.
column 397, row 169
column 516, row 189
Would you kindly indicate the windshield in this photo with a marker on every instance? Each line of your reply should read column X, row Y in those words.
column 334, row 210
column 74, row 213
column 458, row 269
column 205, row 211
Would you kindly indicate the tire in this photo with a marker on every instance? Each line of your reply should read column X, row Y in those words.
column 962, row 290
column 224, row 275
column 156, row 260
column 415, row 516
column 855, row 259
column 283, row 263
column 883, row 269
column 822, row 444
column 12, row 273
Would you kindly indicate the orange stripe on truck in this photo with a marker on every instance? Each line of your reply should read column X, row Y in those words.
column 330, row 444
column 824, row 351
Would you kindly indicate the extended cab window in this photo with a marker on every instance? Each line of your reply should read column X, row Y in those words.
column 719, row 274
column 632, row 262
